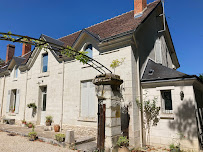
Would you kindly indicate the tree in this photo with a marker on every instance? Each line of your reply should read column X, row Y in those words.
column 201, row 76
column 150, row 111
column 1, row 61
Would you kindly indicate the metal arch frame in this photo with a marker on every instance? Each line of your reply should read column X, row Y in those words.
column 38, row 42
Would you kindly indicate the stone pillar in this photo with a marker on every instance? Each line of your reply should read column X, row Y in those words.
column 108, row 89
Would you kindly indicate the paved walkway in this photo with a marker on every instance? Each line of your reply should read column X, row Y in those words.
column 82, row 134
column 22, row 144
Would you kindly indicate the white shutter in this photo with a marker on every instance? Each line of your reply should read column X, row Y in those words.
column 8, row 101
column 92, row 96
column 158, row 52
column 17, row 101
column 84, row 99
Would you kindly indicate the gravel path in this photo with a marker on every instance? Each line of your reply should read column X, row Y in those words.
column 22, row 144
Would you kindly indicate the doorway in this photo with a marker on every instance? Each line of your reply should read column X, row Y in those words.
column 42, row 105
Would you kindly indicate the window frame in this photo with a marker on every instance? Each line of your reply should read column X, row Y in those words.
column 164, row 111
column 16, row 73
column 91, row 48
column 42, row 62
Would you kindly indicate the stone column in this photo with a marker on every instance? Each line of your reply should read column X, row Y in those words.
column 108, row 89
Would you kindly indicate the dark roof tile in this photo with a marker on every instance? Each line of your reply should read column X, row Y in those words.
column 117, row 25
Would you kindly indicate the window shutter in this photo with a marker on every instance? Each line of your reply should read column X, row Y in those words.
column 17, row 101
column 158, row 52
column 8, row 101
column 92, row 97
column 84, row 99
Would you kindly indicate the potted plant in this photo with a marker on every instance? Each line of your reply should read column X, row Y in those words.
column 60, row 137
column 32, row 135
column 24, row 123
column 122, row 143
column 30, row 125
column 174, row 148
column 56, row 128
column 49, row 120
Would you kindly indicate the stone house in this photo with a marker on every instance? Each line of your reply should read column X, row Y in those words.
column 63, row 88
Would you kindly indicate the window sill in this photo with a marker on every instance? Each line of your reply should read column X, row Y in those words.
column 44, row 74
column 15, row 79
column 167, row 116
column 86, row 119
column 11, row 114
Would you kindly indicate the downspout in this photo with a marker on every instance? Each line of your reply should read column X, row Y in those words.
column 2, row 99
column 139, row 97
column 62, row 98
column 25, row 94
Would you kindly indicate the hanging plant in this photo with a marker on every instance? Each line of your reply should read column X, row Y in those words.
column 32, row 105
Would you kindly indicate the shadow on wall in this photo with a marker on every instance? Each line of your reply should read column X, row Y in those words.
column 185, row 120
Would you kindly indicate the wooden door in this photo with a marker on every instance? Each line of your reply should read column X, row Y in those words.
column 101, row 126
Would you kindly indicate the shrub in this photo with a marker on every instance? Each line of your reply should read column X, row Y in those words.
column 122, row 141
column 33, row 133
column 49, row 119
column 60, row 137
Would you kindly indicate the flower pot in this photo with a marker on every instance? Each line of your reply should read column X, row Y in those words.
column 175, row 149
column 33, row 138
column 48, row 123
column 29, row 125
column 123, row 149
column 56, row 128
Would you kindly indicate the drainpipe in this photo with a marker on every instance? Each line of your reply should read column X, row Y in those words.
column 25, row 94
column 62, row 98
column 139, row 96
column 2, row 99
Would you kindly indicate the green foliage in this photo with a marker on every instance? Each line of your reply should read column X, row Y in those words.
column 116, row 63
column 33, row 133
column 1, row 61
column 151, row 111
column 49, row 119
column 122, row 141
column 60, row 137
column 32, row 105
column 28, row 124
column 201, row 76
column 40, row 43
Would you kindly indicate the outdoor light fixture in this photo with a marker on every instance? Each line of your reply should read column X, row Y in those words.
column 181, row 95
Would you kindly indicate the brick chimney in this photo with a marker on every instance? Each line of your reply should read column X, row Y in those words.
column 10, row 52
column 139, row 7
column 26, row 48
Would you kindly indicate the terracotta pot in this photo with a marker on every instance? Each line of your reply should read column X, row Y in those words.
column 123, row 149
column 56, row 128
column 29, row 125
column 48, row 123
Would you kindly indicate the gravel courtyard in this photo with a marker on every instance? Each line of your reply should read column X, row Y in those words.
column 22, row 144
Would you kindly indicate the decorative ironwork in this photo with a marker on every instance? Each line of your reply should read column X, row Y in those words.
column 42, row 43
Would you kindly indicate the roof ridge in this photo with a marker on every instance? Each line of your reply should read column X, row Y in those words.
column 105, row 20
column 98, row 23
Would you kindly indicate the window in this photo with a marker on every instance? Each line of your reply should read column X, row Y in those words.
column 88, row 100
column 13, row 101
column 89, row 50
column 44, row 62
column 167, row 101
column 44, row 98
column 16, row 72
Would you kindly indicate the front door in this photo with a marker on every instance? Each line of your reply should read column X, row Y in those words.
column 43, row 105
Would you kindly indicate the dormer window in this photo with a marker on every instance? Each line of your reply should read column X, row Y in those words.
column 89, row 50
column 45, row 62
column 16, row 72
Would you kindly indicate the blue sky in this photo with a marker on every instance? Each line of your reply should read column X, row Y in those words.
column 62, row 17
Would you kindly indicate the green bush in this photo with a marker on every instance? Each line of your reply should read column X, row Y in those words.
column 122, row 141
column 60, row 137
column 49, row 119
column 33, row 133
